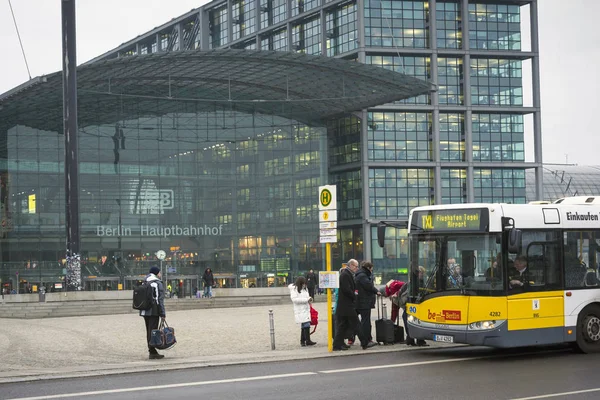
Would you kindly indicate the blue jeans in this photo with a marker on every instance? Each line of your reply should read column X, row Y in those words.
column 208, row 291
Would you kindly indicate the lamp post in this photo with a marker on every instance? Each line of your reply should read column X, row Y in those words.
column 69, row 75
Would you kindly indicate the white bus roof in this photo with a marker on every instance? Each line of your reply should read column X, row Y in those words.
column 569, row 215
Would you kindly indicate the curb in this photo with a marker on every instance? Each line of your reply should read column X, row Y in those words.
column 171, row 365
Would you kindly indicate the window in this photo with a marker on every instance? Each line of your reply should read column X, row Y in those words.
column 449, row 35
column 581, row 256
column 499, row 185
column 418, row 67
column 494, row 27
column 537, row 266
column 450, row 74
column 498, row 137
column 396, row 23
column 452, row 142
column 393, row 192
column 341, row 33
column 496, row 82
column 398, row 136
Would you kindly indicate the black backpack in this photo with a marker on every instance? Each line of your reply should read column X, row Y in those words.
column 143, row 296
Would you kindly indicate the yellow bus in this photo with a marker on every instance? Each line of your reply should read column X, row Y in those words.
column 506, row 275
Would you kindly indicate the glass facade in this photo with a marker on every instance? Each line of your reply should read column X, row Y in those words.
column 565, row 180
column 464, row 141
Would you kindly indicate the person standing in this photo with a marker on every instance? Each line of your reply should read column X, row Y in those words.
column 311, row 283
column 301, row 299
column 209, row 281
column 152, row 315
column 345, row 313
column 365, row 299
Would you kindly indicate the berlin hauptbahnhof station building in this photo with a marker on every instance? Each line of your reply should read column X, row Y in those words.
column 208, row 137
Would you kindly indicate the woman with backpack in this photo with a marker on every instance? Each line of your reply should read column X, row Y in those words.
column 301, row 300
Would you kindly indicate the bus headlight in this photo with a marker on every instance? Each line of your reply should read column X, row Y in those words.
column 482, row 325
column 413, row 320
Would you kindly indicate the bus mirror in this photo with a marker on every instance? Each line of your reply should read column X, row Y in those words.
column 514, row 241
column 381, row 234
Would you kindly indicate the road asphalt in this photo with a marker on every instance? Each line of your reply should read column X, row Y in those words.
column 67, row 347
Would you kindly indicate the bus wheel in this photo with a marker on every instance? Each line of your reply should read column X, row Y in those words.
column 588, row 329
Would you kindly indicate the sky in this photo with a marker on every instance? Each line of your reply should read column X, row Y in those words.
column 569, row 57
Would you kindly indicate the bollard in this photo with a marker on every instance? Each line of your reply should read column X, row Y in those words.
column 272, row 329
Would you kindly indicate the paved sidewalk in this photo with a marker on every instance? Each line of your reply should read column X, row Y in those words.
column 98, row 345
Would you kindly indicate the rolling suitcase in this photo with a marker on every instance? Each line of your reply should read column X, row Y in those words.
column 398, row 331
column 384, row 328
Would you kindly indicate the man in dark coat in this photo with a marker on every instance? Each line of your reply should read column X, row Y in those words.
column 152, row 315
column 365, row 299
column 311, row 283
column 345, row 314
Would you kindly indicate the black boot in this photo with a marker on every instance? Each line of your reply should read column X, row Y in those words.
column 410, row 341
column 302, row 337
column 307, row 336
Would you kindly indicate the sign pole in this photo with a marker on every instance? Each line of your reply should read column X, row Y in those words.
column 330, row 320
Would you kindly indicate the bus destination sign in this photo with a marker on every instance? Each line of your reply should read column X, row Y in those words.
column 472, row 220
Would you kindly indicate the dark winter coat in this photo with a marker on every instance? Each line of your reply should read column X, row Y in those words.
column 346, row 304
column 366, row 289
column 311, row 280
column 208, row 278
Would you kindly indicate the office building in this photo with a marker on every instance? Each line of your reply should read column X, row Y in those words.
column 224, row 173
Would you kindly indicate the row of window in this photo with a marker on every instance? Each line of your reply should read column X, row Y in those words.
column 394, row 191
column 400, row 24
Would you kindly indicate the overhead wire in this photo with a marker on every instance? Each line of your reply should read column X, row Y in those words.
column 20, row 41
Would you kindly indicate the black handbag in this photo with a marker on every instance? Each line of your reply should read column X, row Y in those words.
column 163, row 338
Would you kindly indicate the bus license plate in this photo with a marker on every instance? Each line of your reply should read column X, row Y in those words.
column 443, row 338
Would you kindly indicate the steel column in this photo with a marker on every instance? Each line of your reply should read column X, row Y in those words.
column 537, row 116
column 69, row 73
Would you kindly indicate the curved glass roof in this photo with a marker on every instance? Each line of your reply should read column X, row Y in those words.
column 309, row 88
column 562, row 180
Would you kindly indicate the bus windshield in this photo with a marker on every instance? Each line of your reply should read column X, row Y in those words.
column 467, row 264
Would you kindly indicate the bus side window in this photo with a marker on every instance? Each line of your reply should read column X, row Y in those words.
column 543, row 263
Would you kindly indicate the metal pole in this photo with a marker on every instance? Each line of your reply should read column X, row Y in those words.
column 329, row 300
column 69, row 73
column 272, row 329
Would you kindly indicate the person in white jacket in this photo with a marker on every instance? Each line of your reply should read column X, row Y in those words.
column 301, row 299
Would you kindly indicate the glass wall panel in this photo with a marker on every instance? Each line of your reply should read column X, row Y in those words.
column 341, row 29
column 496, row 82
column 399, row 136
column 499, row 185
column 391, row 261
column 448, row 25
column 272, row 12
column 452, row 139
column 418, row 67
column 454, row 186
column 498, row 137
column 224, row 189
column 450, row 87
column 494, row 27
column 396, row 23
column 344, row 141
column 306, row 37
column 218, row 27
column 393, row 192
column 243, row 18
